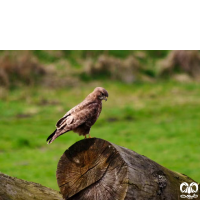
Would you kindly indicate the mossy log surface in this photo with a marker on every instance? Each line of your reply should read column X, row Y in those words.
column 16, row 189
column 95, row 169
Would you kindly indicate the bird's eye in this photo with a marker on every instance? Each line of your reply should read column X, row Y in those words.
column 102, row 93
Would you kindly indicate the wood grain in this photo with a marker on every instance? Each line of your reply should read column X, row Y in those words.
column 95, row 169
column 16, row 189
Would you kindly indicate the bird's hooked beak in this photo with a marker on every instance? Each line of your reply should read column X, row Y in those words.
column 105, row 98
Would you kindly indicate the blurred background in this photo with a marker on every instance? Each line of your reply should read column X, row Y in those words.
column 153, row 106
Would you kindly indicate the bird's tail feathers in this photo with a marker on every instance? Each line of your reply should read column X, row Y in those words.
column 50, row 137
column 54, row 135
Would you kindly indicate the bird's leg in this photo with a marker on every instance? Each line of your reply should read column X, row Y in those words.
column 85, row 136
column 90, row 136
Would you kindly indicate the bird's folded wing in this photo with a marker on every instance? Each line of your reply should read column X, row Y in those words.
column 77, row 117
column 78, row 107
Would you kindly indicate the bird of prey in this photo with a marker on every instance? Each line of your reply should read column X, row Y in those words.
column 81, row 117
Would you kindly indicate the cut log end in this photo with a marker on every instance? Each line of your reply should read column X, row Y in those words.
column 94, row 169
column 92, row 163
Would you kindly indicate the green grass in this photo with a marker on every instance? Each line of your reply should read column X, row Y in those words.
column 158, row 120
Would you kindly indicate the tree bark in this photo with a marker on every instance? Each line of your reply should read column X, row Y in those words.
column 16, row 189
column 95, row 169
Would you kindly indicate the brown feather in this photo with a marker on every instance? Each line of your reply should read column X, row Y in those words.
column 80, row 118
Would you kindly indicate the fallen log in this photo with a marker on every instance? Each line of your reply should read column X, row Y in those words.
column 95, row 169
column 16, row 189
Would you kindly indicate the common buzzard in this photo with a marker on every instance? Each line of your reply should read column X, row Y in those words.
column 81, row 117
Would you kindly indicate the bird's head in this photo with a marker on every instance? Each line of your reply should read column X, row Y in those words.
column 100, row 93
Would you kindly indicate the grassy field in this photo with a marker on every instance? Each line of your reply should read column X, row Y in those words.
column 158, row 120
